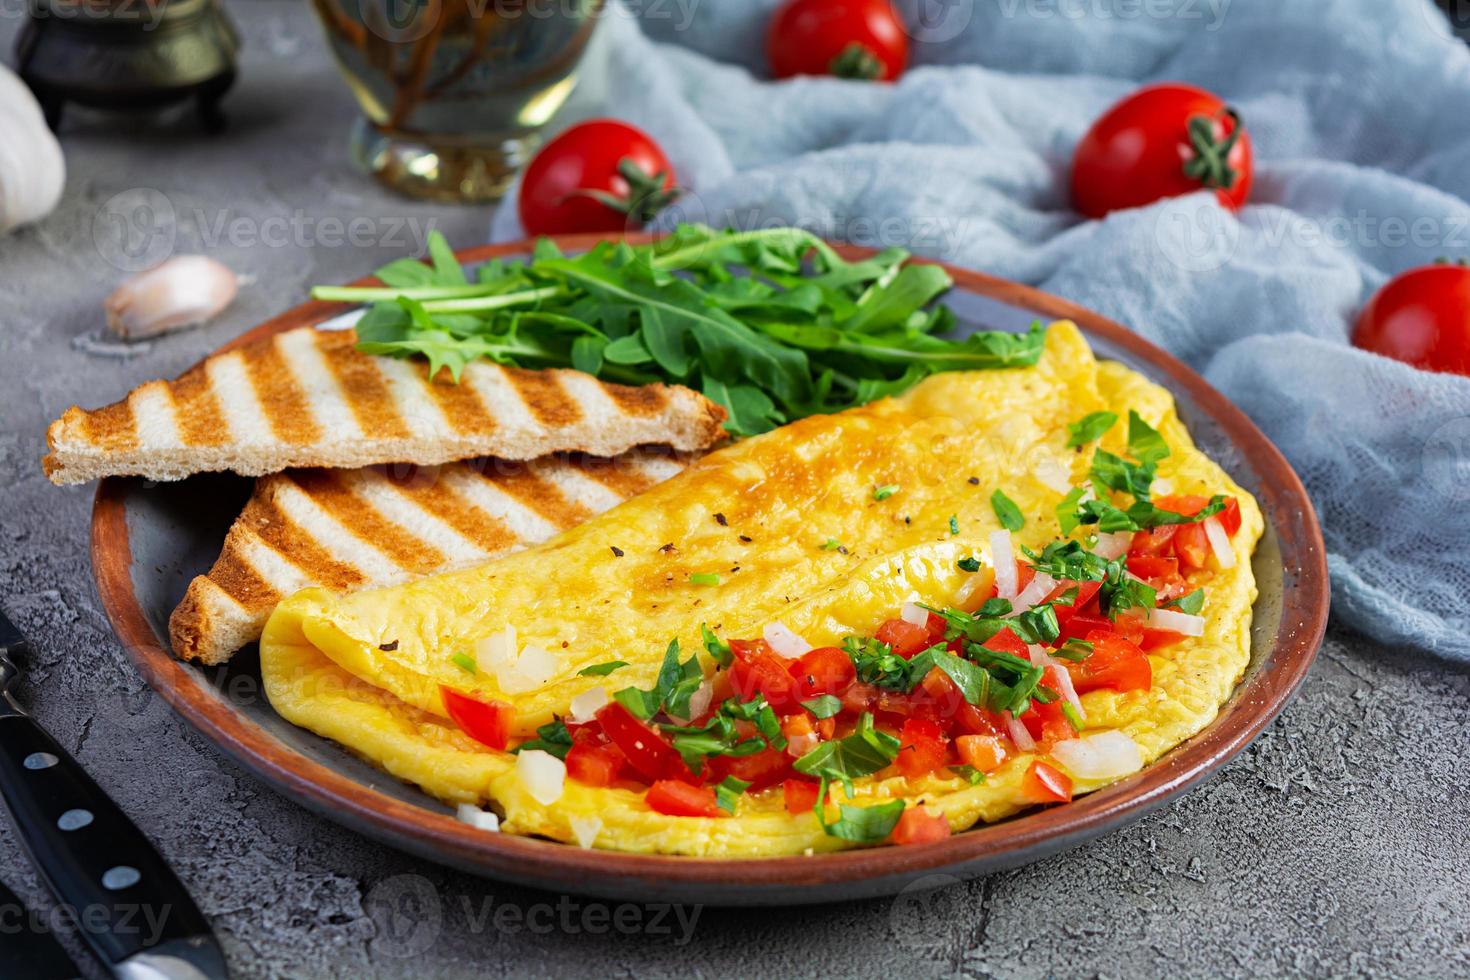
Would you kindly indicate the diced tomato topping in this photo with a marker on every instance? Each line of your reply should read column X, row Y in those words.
column 978, row 721
column 761, row 769
column 1154, row 541
column 1180, row 503
column 858, row 698
column 594, row 764
column 1024, row 574
column 1086, row 592
column 757, row 670
column 800, row 794
column 1008, row 642
column 1115, row 662
column 679, row 799
column 921, row 747
column 1192, row 547
column 1045, row 783
column 1156, row 639
column 940, row 695
column 825, row 670
column 648, row 752
column 904, row 637
column 1153, row 566
column 487, row 722
column 984, row 752
column 1230, row 517
column 1048, row 724
column 919, row 826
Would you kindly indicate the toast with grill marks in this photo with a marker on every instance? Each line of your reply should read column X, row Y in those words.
column 348, row 530
column 308, row 397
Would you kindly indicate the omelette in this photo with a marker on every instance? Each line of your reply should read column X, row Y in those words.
column 995, row 591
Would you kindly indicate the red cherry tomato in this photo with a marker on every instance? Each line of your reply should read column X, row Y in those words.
column 919, row 826
column 904, row 637
column 648, row 752
column 1045, row 783
column 847, row 38
column 825, row 670
column 921, row 748
column 487, row 722
column 1421, row 317
column 598, row 176
column 679, row 799
column 1115, row 662
column 800, row 795
column 1161, row 141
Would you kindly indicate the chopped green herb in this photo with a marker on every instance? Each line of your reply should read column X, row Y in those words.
column 970, row 564
column 972, row 679
column 672, row 689
column 866, row 824
column 1074, row 650
column 465, row 662
column 728, row 792
column 1144, row 442
column 1007, row 512
column 885, row 491
column 719, row 652
column 602, row 670
column 860, row 754
column 1089, row 428
column 823, row 707
column 552, row 737
column 832, row 544
column 1075, row 719
column 954, row 524
column 1191, row 603
column 704, row 578
column 969, row 773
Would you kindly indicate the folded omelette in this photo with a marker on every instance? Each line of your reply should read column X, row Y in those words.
column 819, row 537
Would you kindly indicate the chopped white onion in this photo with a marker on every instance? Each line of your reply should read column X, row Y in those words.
column 1004, row 560
column 786, row 643
column 543, row 775
column 585, row 706
column 1219, row 542
column 799, row 745
column 1162, row 486
column 1063, row 680
column 1037, row 653
column 1101, row 755
column 496, row 650
column 1111, row 545
column 1176, row 622
column 914, row 613
column 534, row 667
column 1019, row 734
column 477, row 818
column 1041, row 585
column 585, row 829
column 1053, row 474
column 700, row 699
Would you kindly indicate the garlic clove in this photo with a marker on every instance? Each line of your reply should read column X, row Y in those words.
column 183, row 291
column 32, row 170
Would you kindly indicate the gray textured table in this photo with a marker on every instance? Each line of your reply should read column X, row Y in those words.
column 1337, row 844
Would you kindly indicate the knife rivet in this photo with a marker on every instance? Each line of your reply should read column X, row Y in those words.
column 74, row 819
column 120, row 877
column 40, row 760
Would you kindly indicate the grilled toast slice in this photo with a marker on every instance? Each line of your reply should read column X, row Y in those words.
column 307, row 397
column 348, row 530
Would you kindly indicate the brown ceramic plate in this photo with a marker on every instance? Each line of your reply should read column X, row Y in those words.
column 148, row 541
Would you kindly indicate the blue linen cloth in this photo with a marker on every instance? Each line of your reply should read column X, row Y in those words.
column 1362, row 171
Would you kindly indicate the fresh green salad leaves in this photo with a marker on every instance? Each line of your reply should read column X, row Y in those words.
column 772, row 324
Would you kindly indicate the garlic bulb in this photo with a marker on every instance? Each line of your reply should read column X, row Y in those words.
column 183, row 291
column 32, row 170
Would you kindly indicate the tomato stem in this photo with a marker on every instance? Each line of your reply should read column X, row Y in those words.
column 857, row 61
column 1210, row 164
column 646, row 196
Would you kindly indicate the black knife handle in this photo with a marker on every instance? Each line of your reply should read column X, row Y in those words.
column 122, row 895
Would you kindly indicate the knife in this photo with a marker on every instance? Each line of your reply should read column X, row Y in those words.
column 128, row 906
column 29, row 949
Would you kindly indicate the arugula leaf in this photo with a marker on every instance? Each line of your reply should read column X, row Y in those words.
column 1007, row 512
column 825, row 706
column 552, row 737
column 1089, row 428
column 602, row 670
column 728, row 792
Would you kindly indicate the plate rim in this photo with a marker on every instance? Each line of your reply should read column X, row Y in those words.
column 1304, row 610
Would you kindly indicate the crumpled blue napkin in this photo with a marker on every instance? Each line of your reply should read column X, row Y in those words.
column 1363, row 170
